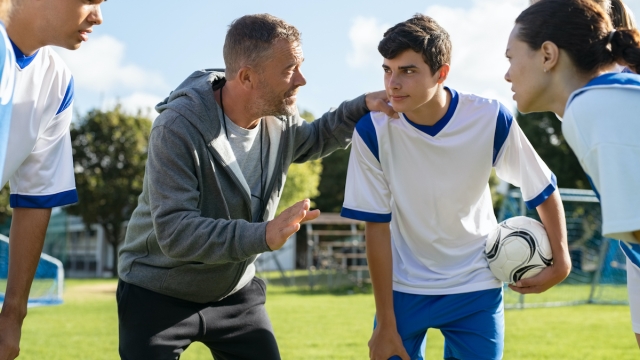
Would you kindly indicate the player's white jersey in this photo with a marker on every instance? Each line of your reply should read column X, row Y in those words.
column 602, row 125
column 431, row 184
column 39, row 164
column 7, row 80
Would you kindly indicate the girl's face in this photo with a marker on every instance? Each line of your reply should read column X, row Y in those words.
column 527, row 75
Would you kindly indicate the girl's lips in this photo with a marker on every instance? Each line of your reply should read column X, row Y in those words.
column 84, row 35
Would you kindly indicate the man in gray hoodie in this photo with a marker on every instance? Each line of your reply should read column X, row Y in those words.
column 218, row 157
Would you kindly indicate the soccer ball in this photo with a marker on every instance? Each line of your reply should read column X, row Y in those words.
column 518, row 249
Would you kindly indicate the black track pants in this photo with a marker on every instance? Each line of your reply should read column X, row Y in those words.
column 159, row 327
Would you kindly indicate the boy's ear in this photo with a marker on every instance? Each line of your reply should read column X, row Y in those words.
column 443, row 73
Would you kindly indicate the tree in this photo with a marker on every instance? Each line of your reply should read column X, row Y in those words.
column 544, row 132
column 333, row 181
column 302, row 179
column 109, row 153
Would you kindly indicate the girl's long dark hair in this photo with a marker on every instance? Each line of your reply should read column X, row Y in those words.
column 582, row 29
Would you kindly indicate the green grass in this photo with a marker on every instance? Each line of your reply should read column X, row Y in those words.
column 327, row 325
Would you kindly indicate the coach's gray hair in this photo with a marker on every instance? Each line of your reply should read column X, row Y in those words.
column 250, row 39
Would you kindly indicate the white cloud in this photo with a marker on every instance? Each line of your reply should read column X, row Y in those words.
column 99, row 66
column 365, row 34
column 479, row 35
column 137, row 102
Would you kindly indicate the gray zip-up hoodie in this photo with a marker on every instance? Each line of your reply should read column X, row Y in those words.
column 191, row 236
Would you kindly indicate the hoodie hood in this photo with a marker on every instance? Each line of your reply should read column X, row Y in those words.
column 193, row 99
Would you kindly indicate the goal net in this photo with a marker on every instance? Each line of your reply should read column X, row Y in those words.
column 598, row 273
column 47, row 283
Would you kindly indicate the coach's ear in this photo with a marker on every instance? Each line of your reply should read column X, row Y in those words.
column 247, row 77
column 443, row 73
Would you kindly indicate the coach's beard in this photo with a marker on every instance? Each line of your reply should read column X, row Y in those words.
column 276, row 105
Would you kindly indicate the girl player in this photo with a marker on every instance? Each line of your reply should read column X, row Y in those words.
column 559, row 53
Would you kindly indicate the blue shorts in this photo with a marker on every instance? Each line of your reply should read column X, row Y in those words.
column 472, row 323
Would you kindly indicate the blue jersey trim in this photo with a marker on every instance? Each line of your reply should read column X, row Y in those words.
column 503, row 126
column 615, row 79
column 544, row 195
column 43, row 202
column 21, row 59
column 365, row 216
column 68, row 97
column 593, row 186
column 632, row 251
column 433, row 130
column 367, row 132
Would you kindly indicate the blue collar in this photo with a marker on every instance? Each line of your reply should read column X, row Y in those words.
column 21, row 59
column 433, row 130
column 628, row 80
column 624, row 78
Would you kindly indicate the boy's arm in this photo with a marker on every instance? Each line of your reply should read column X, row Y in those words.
column 385, row 341
column 552, row 215
column 26, row 238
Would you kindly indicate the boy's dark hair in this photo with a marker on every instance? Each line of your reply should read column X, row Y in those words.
column 421, row 34
column 250, row 39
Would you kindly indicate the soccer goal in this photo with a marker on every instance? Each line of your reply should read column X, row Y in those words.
column 598, row 274
column 47, row 284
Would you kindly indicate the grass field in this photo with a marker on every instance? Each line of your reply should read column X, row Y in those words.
column 323, row 325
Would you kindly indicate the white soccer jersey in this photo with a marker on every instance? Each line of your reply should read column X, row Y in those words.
column 431, row 184
column 7, row 80
column 39, row 164
column 602, row 125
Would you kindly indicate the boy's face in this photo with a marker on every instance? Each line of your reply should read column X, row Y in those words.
column 69, row 22
column 409, row 82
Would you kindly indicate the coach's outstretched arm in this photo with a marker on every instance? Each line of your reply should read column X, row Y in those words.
column 552, row 215
column 28, row 228
column 385, row 341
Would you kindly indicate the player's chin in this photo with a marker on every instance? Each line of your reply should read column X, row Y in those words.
column 71, row 44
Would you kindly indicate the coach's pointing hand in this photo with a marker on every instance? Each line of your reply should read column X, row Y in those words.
column 288, row 222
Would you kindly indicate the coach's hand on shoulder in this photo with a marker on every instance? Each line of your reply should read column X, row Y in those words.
column 288, row 222
column 545, row 280
column 386, row 343
column 10, row 331
column 378, row 101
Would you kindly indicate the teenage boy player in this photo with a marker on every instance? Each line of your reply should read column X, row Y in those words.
column 39, row 165
column 421, row 184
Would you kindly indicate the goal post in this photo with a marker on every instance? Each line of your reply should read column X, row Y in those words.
column 598, row 274
column 48, row 281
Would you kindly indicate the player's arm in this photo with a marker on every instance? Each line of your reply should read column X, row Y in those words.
column 518, row 163
column 551, row 213
column 385, row 341
column 26, row 238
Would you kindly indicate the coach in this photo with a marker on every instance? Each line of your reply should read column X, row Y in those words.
column 218, row 157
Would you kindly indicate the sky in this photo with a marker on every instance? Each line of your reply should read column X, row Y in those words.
column 146, row 48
